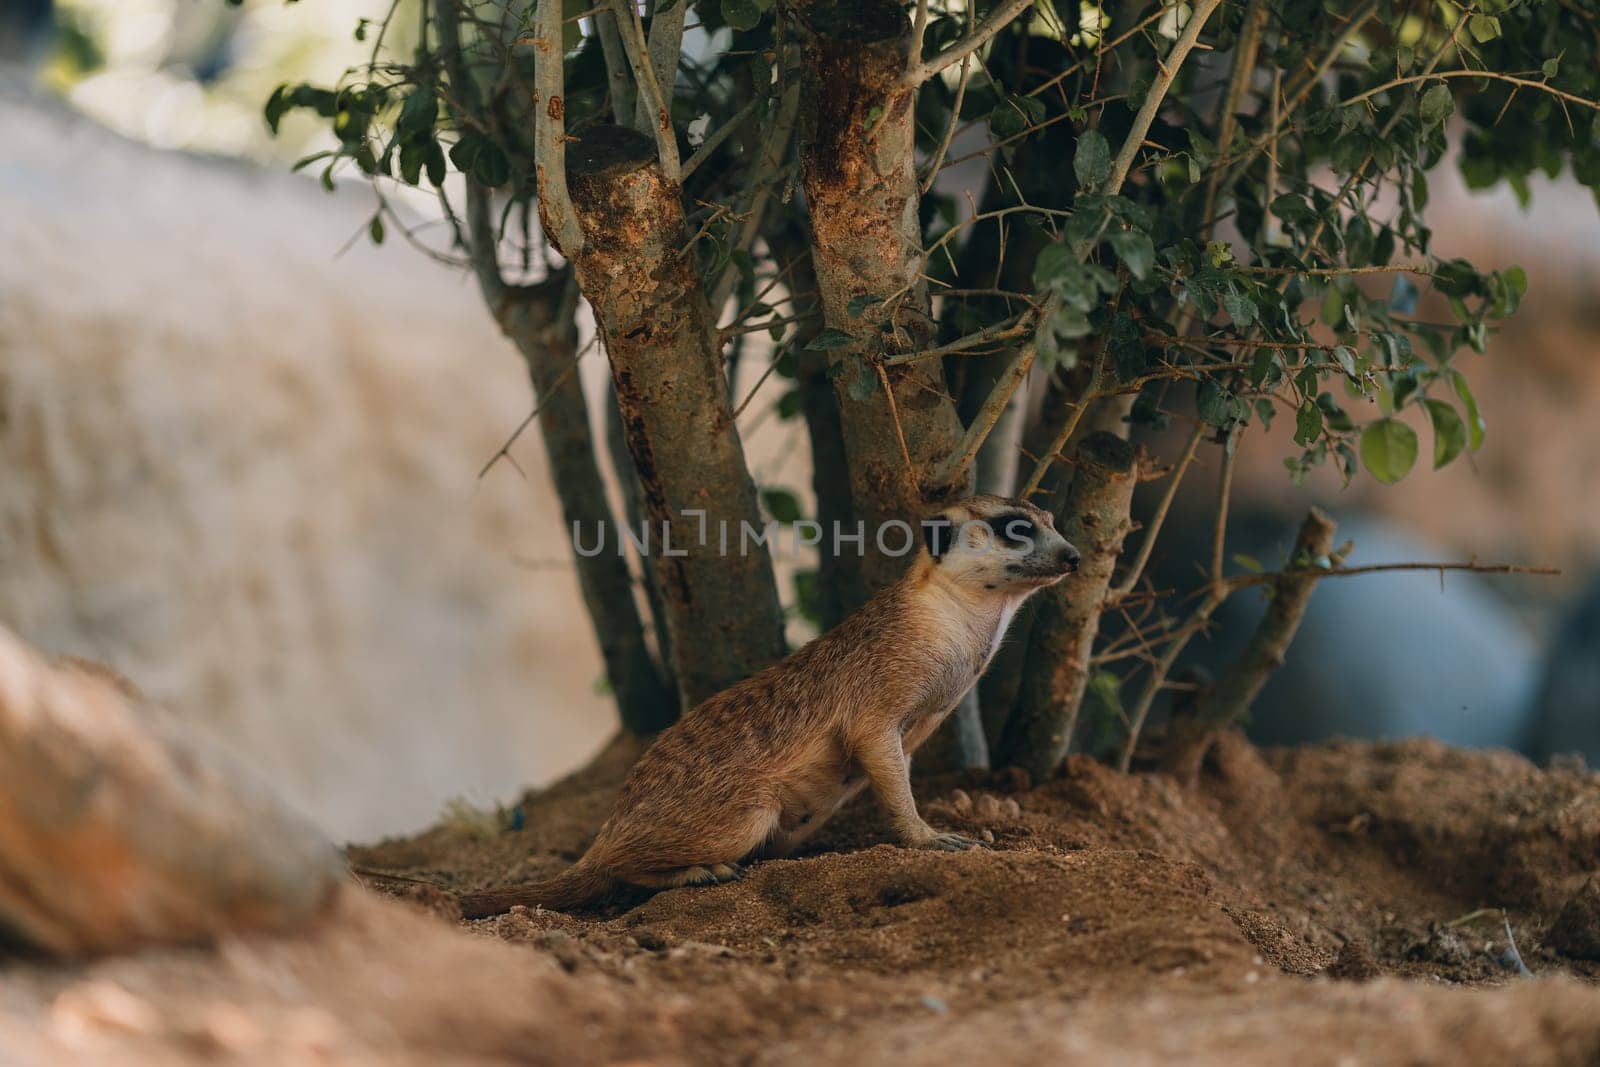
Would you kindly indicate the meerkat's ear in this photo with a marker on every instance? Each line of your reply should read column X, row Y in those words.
column 937, row 534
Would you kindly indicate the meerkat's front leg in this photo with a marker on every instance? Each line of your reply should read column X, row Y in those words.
column 882, row 757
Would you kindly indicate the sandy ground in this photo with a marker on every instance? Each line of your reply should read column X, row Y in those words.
column 1313, row 905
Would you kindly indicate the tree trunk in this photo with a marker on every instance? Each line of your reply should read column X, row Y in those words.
column 1189, row 737
column 1067, row 618
column 541, row 325
column 858, row 168
column 117, row 831
column 723, row 615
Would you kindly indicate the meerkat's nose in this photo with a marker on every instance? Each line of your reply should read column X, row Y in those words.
column 1068, row 558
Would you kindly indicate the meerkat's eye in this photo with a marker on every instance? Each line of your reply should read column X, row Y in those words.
column 1016, row 531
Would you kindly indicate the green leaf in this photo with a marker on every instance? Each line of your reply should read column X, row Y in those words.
column 859, row 304
column 1449, row 433
column 1092, row 162
column 375, row 229
column 305, row 161
column 490, row 166
column 1307, row 424
column 1484, row 28
column 1346, row 360
column 1552, row 67
column 1249, row 563
column 781, row 504
column 1136, row 250
column 829, row 338
column 1241, row 309
column 1437, row 104
column 1475, row 426
column 1213, row 403
column 741, row 14
column 1389, row 450
column 864, row 384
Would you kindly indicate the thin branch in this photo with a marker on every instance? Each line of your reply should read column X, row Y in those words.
column 919, row 31
column 975, row 38
column 1235, row 582
column 665, row 47
column 550, row 134
column 504, row 452
column 1525, row 83
column 994, row 406
column 1219, row 533
column 950, row 129
column 660, row 119
column 1019, row 325
column 899, row 430
column 618, row 78
column 1147, row 544
column 714, row 140
column 1167, row 71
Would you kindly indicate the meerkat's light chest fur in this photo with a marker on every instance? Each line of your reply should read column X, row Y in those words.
column 758, row 768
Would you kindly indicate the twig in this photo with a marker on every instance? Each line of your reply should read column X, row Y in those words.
column 975, row 38
column 932, row 173
column 1188, row 740
column 894, row 415
column 1147, row 544
column 919, row 32
column 994, row 406
column 649, row 88
column 1219, row 532
column 1236, row 582
column 550, row 134
column 618, row 78
column 714, row 140
column 504, row 451
column 1019, row 325
column 1166, row 72
column 665, row 48
column 1526, row 83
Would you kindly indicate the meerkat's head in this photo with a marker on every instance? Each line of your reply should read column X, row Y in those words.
column 998, row 545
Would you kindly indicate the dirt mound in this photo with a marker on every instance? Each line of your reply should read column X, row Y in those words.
column 1347, row 903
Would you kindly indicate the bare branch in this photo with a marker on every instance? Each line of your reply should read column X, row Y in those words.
column 651, row 104
column 618, row 78
column 1189, row 738
column 994, row 406
column 666, row 45
column 1166, row 71
column 1147, row 544
column 950, row 129
column 715, row 140
column 550, row 134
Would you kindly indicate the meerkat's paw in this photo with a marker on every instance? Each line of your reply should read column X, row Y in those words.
column 948, row 843
column 727, row 872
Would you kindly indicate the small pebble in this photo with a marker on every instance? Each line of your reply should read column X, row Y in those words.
column 935, row 1005
column 960, row 800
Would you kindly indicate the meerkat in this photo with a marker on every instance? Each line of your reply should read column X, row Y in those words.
column 756, row 769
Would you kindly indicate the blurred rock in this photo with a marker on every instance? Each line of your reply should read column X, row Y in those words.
column 1576, row 931
column 243, row 469
column 117, row 832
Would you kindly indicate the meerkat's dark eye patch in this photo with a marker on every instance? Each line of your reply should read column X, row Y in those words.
column 937, row 534
column 1015, row 530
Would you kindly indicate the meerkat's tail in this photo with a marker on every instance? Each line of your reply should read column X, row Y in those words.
column 578, row 884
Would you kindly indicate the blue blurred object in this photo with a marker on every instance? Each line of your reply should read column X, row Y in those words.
column 1566, row 714
column 1386, row 655
column 25, row 30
